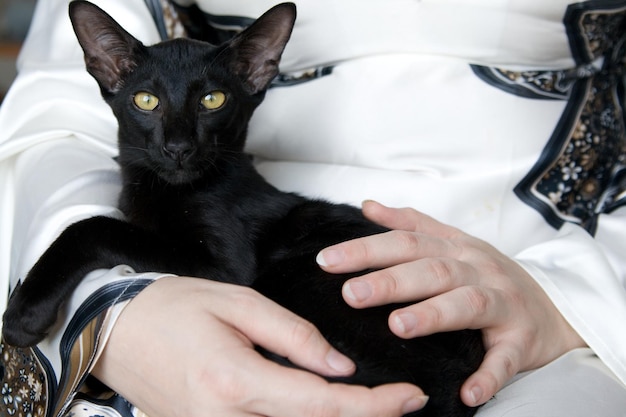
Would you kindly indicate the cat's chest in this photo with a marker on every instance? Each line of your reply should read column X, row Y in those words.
column 177, row 214
column 224, row 219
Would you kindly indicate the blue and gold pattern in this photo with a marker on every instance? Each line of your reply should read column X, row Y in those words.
column 582, row 170
column 25, row 382
column 29, row 385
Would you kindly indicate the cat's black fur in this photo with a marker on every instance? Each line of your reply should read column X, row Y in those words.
column 196, row 206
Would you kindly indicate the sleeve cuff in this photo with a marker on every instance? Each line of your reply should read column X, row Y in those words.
column 47, row 378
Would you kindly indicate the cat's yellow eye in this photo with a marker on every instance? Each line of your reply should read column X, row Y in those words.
column 146, row 101
column 214, row 100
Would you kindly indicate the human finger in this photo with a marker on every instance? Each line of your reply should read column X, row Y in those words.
column 468, row 307
column 282, row 332
column 406, row 282
column 502, row 361
column 294, row 392
column 384, row 250
column 406, row 219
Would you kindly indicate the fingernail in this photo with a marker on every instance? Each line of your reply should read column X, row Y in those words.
column 357, row 290
column 330, row 257
column 406, row 322
column 340, row 363
column 414, row 404
column 476, row 393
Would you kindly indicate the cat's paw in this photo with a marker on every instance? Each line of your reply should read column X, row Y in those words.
column 25, row 323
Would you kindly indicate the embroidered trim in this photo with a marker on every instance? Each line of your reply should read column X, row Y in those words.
column 287, row 79
column 581, row 171
column 555, row 85
column 80, row 340
column 28, row 383
column 26, row 378
column 173, row 26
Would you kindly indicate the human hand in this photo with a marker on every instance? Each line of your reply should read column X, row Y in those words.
column 464, row 283
column 184, row 346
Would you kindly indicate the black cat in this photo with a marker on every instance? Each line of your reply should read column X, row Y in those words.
column 195, row 205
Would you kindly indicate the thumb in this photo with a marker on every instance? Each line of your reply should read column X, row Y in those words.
column 282, row 332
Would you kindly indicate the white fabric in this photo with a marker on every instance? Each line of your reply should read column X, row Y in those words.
column 402, row 119
column 485, row 31
column 575, row 385
column 57, row 138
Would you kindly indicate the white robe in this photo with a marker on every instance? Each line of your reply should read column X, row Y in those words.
column 402, row 118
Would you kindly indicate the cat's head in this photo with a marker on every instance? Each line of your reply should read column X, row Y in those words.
column 183, row 106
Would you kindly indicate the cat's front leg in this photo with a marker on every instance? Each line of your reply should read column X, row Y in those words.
column 83, row 247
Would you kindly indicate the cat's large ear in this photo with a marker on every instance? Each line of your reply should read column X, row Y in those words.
column 257, row 50
column 110, row 51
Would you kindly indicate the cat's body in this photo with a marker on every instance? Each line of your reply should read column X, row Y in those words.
column 195, row 206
